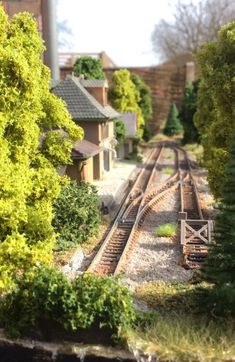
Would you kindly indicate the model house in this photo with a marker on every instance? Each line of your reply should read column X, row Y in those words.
column 87, row 103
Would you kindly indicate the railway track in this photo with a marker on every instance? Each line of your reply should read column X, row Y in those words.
column 195, row 231
column 107, row 258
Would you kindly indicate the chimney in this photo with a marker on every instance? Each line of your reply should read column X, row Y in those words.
column 98, row 89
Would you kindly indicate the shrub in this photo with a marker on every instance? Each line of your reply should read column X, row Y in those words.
column 104, row 301
column 76, row 214
column 120, row 130
column 29, row 183
column 187, row 111
column 173, row 125
column 124, row 97
column 45, row 294
column 89, row 67
column 215, row 111
column 167, row 230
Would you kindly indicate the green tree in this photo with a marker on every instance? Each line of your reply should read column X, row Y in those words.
column 76, row 214
column 145, row 103
column 187, row 111
column 173, row 125
column 215, row 117
column 220, row 265
column 90, row 67
column 29, row 182
column 120, row 130
column 124, row 97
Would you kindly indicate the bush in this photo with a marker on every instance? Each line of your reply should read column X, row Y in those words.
column 45, row 294
column 76, row 215
column 29, row 156
column 187, row 111
column 173, row 125
column 89, row 67
column 167, row 230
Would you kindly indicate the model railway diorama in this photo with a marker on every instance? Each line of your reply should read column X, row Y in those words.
column 195, row 231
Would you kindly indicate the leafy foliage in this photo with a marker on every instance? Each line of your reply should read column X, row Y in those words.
column 46, row 294
column 76, row 214
column 124, row 97
column 187, row 111
column 28, row 179
column 220, row 265
column 120, row 131
column 145, row 103
column 173, row 125
column 215, row 118
column 90, row 67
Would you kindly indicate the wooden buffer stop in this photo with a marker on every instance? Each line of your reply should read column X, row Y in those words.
column 195, row 231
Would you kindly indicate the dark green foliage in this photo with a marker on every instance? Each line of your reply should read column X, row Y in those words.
column 147, row 132
column 215, row 117
column 173, row 125
column 90, row 67
column 145, row 103
column 187, row 111
column 47, row 295
column 220, row 265
column 120, row 131
column 76, row 214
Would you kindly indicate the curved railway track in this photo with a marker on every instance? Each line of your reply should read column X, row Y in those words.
column 107, row 258
column 116, row 248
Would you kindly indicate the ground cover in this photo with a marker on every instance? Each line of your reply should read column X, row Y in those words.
column 179, row 327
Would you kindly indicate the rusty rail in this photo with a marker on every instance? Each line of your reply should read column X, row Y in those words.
column 106, row 259
column 195, row 231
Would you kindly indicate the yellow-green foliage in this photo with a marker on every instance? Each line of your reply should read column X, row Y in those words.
column 167, row 230
column 215, row 117
column 28, row 180
column 124, row 97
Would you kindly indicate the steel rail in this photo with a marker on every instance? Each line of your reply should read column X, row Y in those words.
column 121, row 229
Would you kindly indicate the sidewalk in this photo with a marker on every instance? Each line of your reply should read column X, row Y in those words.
column 113, row 187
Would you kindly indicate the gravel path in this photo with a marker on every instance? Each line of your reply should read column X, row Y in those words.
column 157, row 258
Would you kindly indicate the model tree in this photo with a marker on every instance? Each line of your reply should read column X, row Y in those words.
column 145, row 103
column 216, row 102
column 220, row 266
column 89, row 67
column 30, row 149
column 124, row 97
column 173, row 125
column 187, row 111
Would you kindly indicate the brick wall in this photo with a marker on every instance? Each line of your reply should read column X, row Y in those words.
column 166, row 81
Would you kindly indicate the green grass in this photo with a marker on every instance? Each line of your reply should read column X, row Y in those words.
column 167, row 230
column 168, row 170
column 169, row 156
column 176, row 329
column 184, row 338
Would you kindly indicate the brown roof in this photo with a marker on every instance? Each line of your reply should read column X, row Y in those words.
column 85, row 149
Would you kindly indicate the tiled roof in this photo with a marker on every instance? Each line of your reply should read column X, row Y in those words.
column 85, row 149
column 130, row 121
column 94, row 83
column 80, row 103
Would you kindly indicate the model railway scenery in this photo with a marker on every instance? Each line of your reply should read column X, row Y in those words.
column 117, row 181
